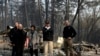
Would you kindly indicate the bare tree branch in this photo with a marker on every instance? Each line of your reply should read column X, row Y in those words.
column 77, row 12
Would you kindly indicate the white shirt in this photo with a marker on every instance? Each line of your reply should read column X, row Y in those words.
column 47, row 27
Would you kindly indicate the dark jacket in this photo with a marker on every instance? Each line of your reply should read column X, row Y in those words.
column 13, row 34
column 21, row 37
column 47, row 34
column 69, row 31
column 17, row 36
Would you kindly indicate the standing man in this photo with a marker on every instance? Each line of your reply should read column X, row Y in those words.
column 20, row 40
column 48, row 39
column 13, row 35
column 68, row 34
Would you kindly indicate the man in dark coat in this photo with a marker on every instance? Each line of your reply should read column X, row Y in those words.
column 17, row 38
column 68, row 34
column 48, row 39
column 20, row 40
column 13, row 35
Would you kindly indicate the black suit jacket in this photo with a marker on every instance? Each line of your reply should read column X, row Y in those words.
column 47, row 34
column 69, row 31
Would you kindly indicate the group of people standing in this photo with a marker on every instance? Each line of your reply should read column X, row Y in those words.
column 18, row 37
